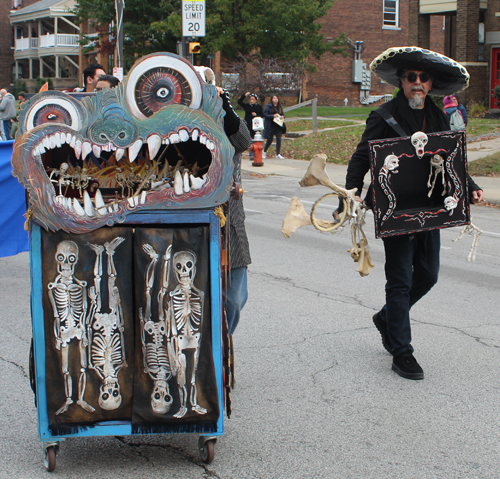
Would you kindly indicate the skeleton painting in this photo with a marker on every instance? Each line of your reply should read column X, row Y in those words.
column 68, row 296
column 88, row 324
column 409, row 201
column 175, row 384
column 106, row 329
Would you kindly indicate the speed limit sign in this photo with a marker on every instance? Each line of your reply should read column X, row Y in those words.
column 193, row 18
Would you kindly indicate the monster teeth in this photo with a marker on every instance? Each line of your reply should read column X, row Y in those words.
column 41, row 149
column 86, row 149
column 69, row 138
column 184, row 135
column 154, row 143
column 197, row 183
column 78, row 148
column 72, row 143
column 174, row 138
column 46, row 142
column 195, row 134
column 143, row 197
column 178, row 190
column 119, row 154
column 52, row 140
column 87, row 204
column 78, row 208
column 133, row 151
column 57, row 138
column 131, row 202
column 165, row 141
column 96, row 150
column 210, row 145
column 185, row 179
column 99, row 203
column 203, row 138
column 136, row 201
column 115, row 207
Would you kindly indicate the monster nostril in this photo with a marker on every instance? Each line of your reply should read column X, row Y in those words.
column 103, row 136
column 122, row 135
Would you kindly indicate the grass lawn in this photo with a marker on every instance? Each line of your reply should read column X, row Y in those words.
column 301, row 125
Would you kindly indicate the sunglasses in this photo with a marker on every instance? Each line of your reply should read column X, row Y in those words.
column 412, row 77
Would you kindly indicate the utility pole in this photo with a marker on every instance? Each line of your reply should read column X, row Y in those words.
column 119, row 7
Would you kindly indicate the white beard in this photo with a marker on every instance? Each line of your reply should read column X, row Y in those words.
column 416, row 102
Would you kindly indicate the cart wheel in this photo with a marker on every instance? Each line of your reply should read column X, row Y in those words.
column 49, row 458
column 207, row 450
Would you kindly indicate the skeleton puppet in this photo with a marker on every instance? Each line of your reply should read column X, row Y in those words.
column 68, row 297
column 107, row 345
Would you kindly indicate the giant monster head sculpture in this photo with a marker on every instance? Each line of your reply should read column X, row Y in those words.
column 156, row 141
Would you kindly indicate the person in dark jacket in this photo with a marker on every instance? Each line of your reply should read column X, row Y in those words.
column 252, row 110
column 411, row 260
column 271, row 128
column 237, row 290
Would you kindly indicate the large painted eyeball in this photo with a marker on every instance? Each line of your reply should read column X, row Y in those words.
column 160, row 80
column 54, row 107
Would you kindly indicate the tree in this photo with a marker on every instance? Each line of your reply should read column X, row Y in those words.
column 284, row 29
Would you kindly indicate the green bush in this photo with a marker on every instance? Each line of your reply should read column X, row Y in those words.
column 39, row 82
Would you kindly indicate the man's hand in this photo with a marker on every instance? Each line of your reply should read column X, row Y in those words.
column 477, row 196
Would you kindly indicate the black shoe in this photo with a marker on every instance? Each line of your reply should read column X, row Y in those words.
column 407, row 367
column 381, row 325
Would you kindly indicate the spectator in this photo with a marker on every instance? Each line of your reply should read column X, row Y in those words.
column 7, row 112
column 252, row 110
column 106, row 81
column 272, row 112
column 90, row 76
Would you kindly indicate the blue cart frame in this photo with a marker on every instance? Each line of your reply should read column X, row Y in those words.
column 124, row 428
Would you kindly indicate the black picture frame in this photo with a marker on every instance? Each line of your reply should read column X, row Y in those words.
column 404, row 200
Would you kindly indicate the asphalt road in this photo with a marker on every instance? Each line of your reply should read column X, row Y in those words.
column 315, row 395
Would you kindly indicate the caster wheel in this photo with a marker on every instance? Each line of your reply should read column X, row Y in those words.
column 49, row 458
column 207, row 451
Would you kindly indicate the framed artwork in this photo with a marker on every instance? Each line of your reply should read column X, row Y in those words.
column 419, row 183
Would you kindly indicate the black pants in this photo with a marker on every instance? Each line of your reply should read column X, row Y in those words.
column 278, row 134
column 411, row 270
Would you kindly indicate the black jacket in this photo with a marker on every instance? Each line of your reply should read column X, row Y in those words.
column 377, row 129
column 249, row 109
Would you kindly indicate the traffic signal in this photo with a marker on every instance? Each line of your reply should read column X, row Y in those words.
column 194, row 47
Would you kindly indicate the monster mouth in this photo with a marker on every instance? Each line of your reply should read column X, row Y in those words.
column 90, row 179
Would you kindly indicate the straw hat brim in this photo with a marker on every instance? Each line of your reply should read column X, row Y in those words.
column 448, row 76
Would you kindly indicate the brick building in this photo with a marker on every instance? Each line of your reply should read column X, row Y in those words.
column 372, row 27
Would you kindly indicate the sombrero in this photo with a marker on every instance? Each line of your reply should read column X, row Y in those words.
column 448, row 76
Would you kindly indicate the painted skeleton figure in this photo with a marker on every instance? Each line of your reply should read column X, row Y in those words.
column 68, row 297
column 437, row 166
column 419, row 139
column 186, row 312
column 106, row 330
column 155, row 335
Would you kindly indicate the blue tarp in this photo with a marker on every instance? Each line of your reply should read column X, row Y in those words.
column 13, row 237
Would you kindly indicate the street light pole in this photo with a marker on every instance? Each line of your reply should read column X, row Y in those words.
column 119, row 6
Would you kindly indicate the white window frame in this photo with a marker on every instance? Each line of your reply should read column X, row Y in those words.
column 390, row 24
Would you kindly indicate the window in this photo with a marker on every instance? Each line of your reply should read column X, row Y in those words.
column 391, row 14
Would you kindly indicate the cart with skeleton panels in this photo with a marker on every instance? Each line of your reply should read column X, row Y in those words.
column 127, row 191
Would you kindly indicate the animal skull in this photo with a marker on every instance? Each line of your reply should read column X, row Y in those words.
column 419, row 140
column 185, row 267
column 161, row 400
column 110, row 397
column 391, row 162
column 66, row 258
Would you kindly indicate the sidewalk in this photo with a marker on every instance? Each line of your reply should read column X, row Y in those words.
column 297, row 168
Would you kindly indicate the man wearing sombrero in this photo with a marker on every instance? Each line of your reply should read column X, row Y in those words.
column 412, row 260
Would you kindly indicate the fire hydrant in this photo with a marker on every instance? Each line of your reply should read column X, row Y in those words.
column 257, row 146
